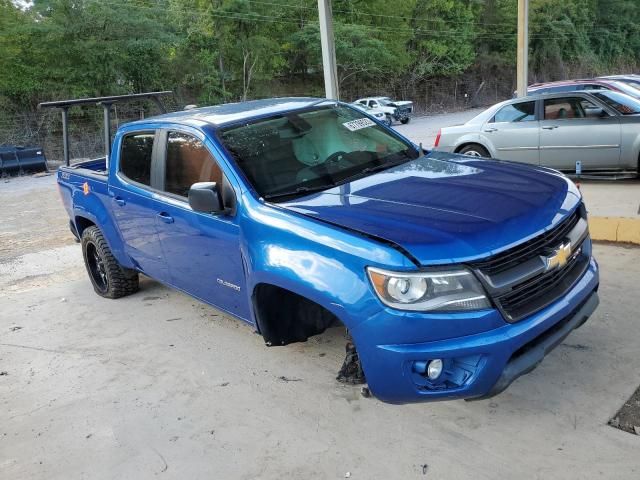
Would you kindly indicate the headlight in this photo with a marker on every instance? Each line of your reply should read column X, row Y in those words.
column 438, row 290
column 378, row 115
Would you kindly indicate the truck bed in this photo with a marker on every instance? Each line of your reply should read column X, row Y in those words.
column 96, row 166
column 84, row 185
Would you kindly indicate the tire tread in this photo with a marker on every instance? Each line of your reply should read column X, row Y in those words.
column 122, row 281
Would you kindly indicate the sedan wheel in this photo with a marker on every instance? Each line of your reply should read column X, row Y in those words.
column 475, row 150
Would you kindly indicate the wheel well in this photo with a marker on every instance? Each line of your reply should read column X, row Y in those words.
column 285, row 317
column 81, row 224
column 460, row 147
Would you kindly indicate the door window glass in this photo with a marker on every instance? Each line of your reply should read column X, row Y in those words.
column 563, row 108
column 517, row 112
column 591, row 110
column 135, row 157
column 188, row 162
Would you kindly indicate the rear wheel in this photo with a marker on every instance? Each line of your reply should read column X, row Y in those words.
column 474, row 150
column 109, row 278
column 405, row 120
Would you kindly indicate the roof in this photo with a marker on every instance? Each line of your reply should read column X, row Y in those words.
column 578, row 81
column 228, row 113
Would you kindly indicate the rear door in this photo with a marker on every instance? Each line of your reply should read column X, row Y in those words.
column 133, row 204
column 574, row 129
column 513, row 132
column 202, row 250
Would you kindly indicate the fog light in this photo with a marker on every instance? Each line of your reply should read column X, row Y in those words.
column 434, row 369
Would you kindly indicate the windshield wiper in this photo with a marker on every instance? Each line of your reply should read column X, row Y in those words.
column 299, row 191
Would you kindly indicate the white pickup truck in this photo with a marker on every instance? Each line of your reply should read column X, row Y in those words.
column 395, row 110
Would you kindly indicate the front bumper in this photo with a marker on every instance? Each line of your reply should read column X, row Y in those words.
column 478, row 365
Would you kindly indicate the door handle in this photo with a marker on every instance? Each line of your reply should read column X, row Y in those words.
column 119, row 201
column 489, row 130
column 550, row 127
column 165, row 217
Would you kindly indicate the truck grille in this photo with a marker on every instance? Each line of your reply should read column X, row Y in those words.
column 538, row 292
column 534, row 247
column 526, row 293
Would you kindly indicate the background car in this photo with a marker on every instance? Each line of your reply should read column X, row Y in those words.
column 399, row 110
column 590, row 84
column 630, row 79
column 601, row 129
column 375, row 112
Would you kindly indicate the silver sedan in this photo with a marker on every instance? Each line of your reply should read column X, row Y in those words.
column 599, row 129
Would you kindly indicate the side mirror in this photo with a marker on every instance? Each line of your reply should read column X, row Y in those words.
column 205, row 197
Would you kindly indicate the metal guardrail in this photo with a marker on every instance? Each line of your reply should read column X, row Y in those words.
column 106, row 103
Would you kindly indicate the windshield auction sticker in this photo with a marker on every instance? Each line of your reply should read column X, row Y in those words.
column 359, row 124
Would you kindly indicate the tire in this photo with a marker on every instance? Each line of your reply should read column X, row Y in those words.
column 108, row 277
column 388, row 120
column 404, row 121
column 474, row 150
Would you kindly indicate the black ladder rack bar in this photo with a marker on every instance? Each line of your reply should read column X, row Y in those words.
column 106, row 103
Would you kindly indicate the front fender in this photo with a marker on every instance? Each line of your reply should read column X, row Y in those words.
column 320, row 262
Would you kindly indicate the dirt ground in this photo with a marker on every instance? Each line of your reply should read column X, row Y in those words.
column 158, row 385
column 31, row 216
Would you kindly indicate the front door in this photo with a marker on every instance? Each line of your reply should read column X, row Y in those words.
column 574, row 129
column 202, row 250
column 133, row 204
column 513, row 132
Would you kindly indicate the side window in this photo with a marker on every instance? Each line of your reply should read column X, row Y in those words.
column 363, row 102
column 563, row 108
column 591, row 110
column 517, row 112
column 188, row 162
column 135, row 157
column 373, row 103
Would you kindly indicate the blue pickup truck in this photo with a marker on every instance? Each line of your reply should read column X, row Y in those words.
column 453, row 275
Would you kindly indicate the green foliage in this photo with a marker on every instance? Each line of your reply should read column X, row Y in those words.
column 223, row 50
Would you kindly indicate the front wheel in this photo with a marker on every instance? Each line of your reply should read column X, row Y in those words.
column 388, row 120
column 108, row 277
column 475, row 150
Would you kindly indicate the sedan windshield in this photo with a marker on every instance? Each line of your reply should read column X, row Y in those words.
column 299, row 152
column 622, row 103
column 630, row 90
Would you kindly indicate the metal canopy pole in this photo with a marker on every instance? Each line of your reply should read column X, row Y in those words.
column 523, row 47
column 65, row 134
column 106, row 103
column 325, row 17
column 106, row 106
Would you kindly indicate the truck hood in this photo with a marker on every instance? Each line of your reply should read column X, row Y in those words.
column 444, row 208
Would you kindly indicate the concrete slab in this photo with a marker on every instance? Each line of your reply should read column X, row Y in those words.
column 612, row 199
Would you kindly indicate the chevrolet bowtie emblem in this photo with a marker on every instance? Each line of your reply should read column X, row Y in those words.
column 559, row 257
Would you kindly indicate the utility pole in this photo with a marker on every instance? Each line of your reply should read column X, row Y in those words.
column 523, row 47
column 325, row 17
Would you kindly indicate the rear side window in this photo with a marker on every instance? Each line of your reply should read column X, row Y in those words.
column 135, row 157
column 517, row 112
column 188, row 162
column 564, row 108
